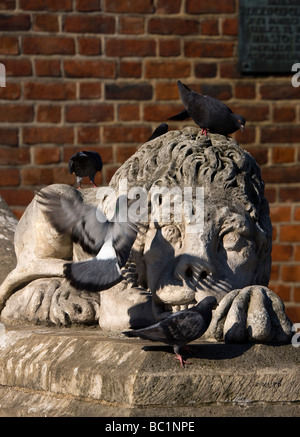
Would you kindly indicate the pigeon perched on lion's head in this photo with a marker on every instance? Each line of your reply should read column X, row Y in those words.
column 209, row 113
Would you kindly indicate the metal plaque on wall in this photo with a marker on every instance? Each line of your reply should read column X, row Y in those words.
column 269, row 35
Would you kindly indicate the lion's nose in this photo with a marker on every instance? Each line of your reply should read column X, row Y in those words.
column 191, row 268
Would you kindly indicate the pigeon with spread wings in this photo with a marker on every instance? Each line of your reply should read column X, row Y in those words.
column 109, row 242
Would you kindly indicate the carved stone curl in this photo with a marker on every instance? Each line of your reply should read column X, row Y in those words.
column 170, row 267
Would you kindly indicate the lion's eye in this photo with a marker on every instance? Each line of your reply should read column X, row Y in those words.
column 234, row 241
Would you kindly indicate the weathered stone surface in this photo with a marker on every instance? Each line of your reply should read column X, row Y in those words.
column 51, row 301
column 132, row 307
column 71, row 372
column 8, row 224
column 254, row 314
column 40, row 250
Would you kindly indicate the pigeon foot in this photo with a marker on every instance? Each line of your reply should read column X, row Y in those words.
column 181, row 360
column 204, row 131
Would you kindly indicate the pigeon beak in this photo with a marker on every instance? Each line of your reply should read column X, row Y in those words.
column 242, row 127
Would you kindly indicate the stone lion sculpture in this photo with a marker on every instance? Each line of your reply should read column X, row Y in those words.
column 220, row 245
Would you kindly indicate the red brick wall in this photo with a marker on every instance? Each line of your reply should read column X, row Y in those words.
column 101, row 75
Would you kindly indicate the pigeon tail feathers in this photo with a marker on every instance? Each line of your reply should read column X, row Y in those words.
column 131, row 334
column 160, row 130
column 183, row 115
column 150, row 334
column 184, row 91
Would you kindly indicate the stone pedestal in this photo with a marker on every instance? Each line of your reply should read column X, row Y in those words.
column 82, row 372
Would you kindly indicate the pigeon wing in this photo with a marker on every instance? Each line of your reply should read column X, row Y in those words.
column 96, row 158
column 71, row 166
column 194, row 104
column 184, row 327
column 93, row 275
column 123, row 230
column 88, row 225
column 85, row 223
column 220, row 116
column 154, row 333
column 123, row 237
column 211, row 113
column 198, row 111
column 111, row 241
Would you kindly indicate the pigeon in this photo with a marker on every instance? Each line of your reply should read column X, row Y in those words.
column 109, row 241
column 209, row 113
column 160, row 130
column 85, row 164
column 180, row 328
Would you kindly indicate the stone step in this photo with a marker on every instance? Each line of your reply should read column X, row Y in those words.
column 83, row 372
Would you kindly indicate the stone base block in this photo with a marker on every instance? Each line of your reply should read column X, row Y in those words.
column 82, row 372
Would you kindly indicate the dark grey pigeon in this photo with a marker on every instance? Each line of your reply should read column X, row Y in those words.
column 85, row 164
column 160, row 130
column 109, row 242
column 209, row 113
column 180, row 328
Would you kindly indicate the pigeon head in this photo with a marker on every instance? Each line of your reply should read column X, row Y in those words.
column 239, row 121
column 208, row 304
